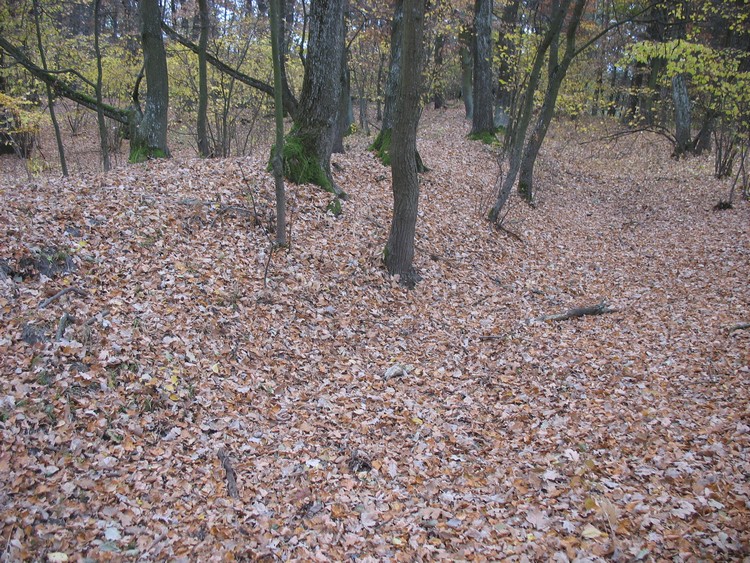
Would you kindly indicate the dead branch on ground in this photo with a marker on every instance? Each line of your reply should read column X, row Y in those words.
column 739, row 326
column 598, row 309
column 76, row 290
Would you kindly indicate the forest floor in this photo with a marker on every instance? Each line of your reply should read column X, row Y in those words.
column 360, row 419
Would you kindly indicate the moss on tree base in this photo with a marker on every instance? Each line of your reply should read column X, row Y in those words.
column 487, row 137
column 300, row 164
column 142, row 154
column 381, row 146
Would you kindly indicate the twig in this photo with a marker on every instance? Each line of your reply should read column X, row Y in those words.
column 739, row 326
column 598, row 309
column 65, row 320
column 62, row 292
column 500, row 227
column 231, row 478
column 492, row 337
column 95, row 318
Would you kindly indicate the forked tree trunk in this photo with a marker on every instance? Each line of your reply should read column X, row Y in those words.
column 399, row 251
column 482, row 117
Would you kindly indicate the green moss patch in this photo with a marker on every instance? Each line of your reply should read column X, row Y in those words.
column 487, row 137
column 300, row 165
column 381, row 146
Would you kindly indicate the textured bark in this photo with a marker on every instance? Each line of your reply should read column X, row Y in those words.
column 203, row 148
column 315, row 125
column 399, row 251
column 99, row 114
column 482, row 117
column 438, row 98
column 345, row 112
column 681, row 98
column 149, row 136
column 394, row 68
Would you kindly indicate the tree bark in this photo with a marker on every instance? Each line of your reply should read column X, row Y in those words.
column 438, row 97
column 149, row 136
column 399, row 251
column 482, row 117
column 203, row 148
column 681, row 98
column 315, row 124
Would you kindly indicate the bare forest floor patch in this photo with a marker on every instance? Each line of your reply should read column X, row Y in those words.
column 362, row 420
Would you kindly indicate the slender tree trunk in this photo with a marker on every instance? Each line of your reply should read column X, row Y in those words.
column 399, row 251
column 555, row 76
column 278, row 173
column 203, row 145
column 482, row 117
column 438, row 98
column 379, row 89
column 681, row 98
column 506, row 49
column 344, row 120
column 99, row 113
column 315, row 124
column 149, row 136
column 520, row 129
column 467, row 81
column 50, row 96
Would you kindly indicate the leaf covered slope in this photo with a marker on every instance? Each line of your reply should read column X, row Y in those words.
column 625, row 435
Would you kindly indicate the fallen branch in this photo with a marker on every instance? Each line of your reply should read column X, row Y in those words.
column 231, row 478
column 598, row 309
column 739, row 326
column 62, row 292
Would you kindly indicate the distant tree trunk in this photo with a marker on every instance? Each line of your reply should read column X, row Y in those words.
column 148, row 138
column 399, row 251
column 467, row 81
column 315, row 125
column 345, row 113
column 482, row 117
column 379, row 89
column 203, row 148
column 506, row 48
column 99, row 113
column 50, row 96
column 681, row 98
column 278, row 172
column 438, row 97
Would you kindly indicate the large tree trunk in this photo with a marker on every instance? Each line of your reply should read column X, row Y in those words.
column 345, row 112
column 399, row 251
column 203, row 148
column 148, row 137
column 482, row 118
column 307, row 153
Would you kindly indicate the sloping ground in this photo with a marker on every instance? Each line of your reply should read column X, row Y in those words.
column 623, row 436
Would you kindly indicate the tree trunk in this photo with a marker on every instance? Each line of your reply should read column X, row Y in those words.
column 278, row 171
column 399, row 251
column 681, row 98
column 506, row 49
column 307, row 153
column 99, row 114
column 467, row 82
column 555, row 76
column 483, row 120
column 344, row 120
column 149, row 130
column 50, row 96
column 438, row 98
column 203, row 148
